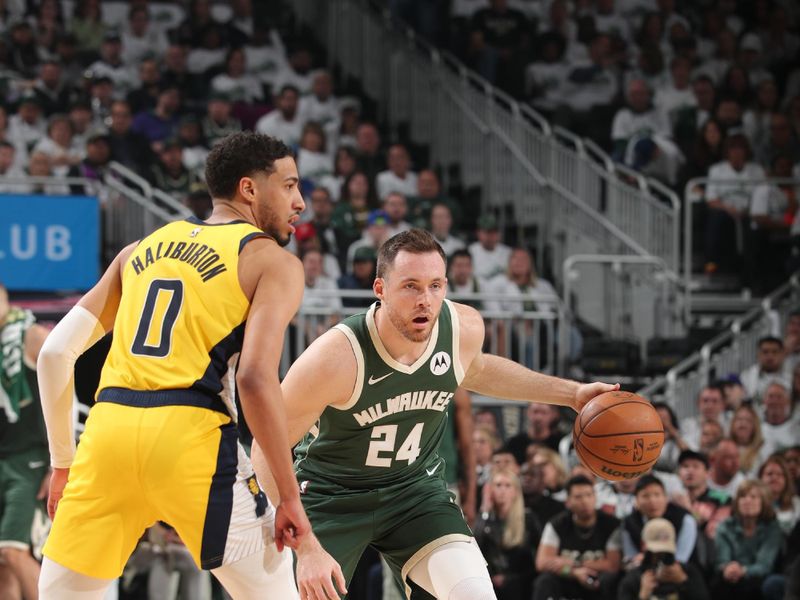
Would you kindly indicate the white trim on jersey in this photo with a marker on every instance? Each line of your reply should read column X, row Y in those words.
column 359, row 354
column 384, row 354
column 458, row 368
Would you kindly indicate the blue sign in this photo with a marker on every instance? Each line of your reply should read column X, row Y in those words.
column 49, row 243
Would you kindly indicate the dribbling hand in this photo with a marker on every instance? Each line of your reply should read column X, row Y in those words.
column 587, row 391
column 291, row 524
column 58, row 480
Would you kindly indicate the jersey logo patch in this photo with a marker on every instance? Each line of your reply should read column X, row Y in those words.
column 195, row 231
column 303, row 486
column 433, row 470
column 440, row 363
column 373, row 380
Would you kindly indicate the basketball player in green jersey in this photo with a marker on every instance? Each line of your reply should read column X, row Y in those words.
column 369, row 398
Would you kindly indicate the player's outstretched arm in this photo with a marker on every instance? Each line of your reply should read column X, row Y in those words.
column 273, row 279
column 78, row 331
column 499, row 377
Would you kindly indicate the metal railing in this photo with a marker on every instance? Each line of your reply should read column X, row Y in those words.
column 731, row 351
column 548, row 176
column 529, row 337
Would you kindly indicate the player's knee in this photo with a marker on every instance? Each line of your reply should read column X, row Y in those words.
column 473, row 588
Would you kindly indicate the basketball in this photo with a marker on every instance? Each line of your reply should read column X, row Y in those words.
column 618, row 435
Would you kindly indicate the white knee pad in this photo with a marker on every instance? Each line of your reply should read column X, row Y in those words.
column 57, row 582
column 265, row 574
column 454, row 571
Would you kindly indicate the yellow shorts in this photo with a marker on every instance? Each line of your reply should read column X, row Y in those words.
column 182, row 465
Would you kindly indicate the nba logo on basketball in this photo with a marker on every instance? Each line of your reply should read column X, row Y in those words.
column 638, row 449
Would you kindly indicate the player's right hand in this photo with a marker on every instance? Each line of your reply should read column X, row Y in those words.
column 57, row 482
column 291, row 524
column 316, row 572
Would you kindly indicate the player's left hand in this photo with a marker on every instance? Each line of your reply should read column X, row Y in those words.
column 587, row 391
column 58, row 480
column 291, row 524
column 316, row 572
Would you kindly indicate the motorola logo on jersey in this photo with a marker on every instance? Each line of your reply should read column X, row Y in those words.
column 440, row 363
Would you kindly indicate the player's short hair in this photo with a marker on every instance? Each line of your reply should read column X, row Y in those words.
column 415, row 241
column 241, row 155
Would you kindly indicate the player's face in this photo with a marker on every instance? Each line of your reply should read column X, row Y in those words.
column 412, row 293
column 277, row 202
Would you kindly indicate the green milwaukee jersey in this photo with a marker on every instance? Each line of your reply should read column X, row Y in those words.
column 390, row 429
column 21, row 422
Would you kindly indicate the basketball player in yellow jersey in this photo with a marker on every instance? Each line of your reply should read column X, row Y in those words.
column 161, row 442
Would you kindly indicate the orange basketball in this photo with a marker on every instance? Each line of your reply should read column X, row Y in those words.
column 618, row 435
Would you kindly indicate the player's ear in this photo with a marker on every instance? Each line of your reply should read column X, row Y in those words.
column 247, row 189
column 377, row 287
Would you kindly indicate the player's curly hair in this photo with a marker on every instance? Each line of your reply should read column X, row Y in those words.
column 415, row 241
column 241, row 155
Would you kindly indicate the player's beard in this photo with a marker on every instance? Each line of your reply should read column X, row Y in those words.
column 272, row 225
column 406, row 330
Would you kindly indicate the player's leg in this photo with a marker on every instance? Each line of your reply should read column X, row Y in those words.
column 454, row 571
column 57, row 582
column 265, row 574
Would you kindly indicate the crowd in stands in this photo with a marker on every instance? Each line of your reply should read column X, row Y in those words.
column 673, row 89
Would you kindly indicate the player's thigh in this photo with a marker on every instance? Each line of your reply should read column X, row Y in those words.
column 265, row 574
column 104, row 509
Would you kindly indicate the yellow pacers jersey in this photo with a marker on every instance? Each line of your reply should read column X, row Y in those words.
column 180, row 323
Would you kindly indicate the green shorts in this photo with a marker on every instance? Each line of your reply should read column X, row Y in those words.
column 20, row 478
column 404, row 522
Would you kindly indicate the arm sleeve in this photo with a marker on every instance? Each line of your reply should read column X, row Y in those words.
column 759, row 204
column 78, row 331
column 550, row 537
column 614, row 541
column 684, row 545
column 723, row 546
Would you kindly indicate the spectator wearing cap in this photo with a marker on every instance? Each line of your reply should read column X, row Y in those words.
column 218, row 121
column 111, row 64
column 770, row 364
column 27, row 126
column 140, row 39
column 748, row 543
column 780, row 426
column 195, row 150
column 236, row 82
column 724, row 474
column 169, row 174
column 95, row 163
column 709, row 507
column 127, row 147
column 145, row 96
column 282, row 122
column 398, row 177
column 710, row 407
column 374, row 235
column 49, row 87
column 441, row 226
column 395, row 206
column 361, row 277
column 320, row 106
column 750, row 58
column 660, row 575
column 159, row 124
column 313, row 161
column 728, row 198
column 59, row 145
column 489, row 255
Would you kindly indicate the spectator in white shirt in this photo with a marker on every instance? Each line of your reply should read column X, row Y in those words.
column 638, row 119
column 112, row 66
column 489, row 255
column 781, row 428
column 282, row 123
column 545, row 79
column 141, row 39
column 711, row 407
column 318, row 294
column 461, row 278
column 769, row 365
column 395, row 206
column 59, row 145
column 296, row 71
column 728, row 198
column 8, row 170
column 320, row 106
column 673, row 99
column 28, row 126
column 236, row 82
column 398, row 177
column 441, row 224
column 313, row 162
